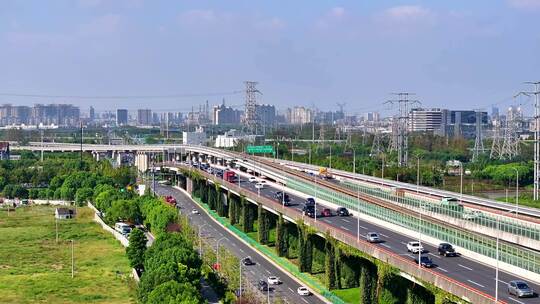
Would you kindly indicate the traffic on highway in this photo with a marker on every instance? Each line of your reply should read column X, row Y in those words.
column 441, row 258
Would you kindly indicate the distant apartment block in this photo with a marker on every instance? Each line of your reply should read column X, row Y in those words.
column 223, row 115
column 64, row 115
column 299, row 115
column 121, row 117
column 144, row 117
column 444, row 122
column 266, row 114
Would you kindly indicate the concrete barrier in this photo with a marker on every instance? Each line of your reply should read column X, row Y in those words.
column 123, row 240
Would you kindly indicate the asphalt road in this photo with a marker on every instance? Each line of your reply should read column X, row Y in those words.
column 262, row 269
column 472, row 273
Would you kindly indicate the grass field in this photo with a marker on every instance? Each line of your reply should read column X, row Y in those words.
column 35, row 269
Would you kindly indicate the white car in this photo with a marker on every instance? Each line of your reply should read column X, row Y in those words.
column 252, row 179
column 303, row 291
column 194, row 211
column 414, row 247
column 472, row 215
column 259, row 185
column 274, row 281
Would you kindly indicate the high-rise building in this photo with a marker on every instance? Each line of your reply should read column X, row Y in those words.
column 461, row 123
column 92, row 114
column 121, row 117
column 224, row 115
column 425, row 120
column 144, row 117
column 299, row 115
column 266, row 114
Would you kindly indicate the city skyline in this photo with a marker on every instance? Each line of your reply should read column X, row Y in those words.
column 460, row 53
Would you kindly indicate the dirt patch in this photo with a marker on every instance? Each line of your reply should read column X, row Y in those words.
column 57, row 266
column 5, row 267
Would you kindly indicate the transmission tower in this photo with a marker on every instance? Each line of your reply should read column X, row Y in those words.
column 536, row 94
column 376, row 147
column 393, row 140
column 251, row 120
column 403, row 103
column 510, row 146
column 496, row 147
column 322, row 130
column 479, row 141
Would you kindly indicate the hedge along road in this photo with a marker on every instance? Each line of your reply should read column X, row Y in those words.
column 262, row 269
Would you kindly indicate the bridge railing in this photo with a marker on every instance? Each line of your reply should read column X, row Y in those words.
column 508, row 253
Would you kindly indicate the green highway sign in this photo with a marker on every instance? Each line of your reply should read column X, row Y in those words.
column 259, row 149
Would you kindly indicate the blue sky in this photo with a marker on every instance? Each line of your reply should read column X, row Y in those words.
column 453, row 54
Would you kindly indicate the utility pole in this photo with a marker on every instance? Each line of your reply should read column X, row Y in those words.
column 81, row 150
column 403, row 103
column 536, row 94
column 41, row 131
column 72, row 260
column 510, row 145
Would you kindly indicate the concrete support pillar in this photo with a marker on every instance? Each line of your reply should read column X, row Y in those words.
column 189, row 185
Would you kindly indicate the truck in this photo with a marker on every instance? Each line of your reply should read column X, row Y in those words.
column 122, row 228
column 229, row 176
column 324, row 173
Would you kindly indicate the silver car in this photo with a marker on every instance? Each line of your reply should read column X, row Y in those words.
column 373, row 237
column 520, row 289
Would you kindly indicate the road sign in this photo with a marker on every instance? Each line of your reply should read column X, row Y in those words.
column 259, row 149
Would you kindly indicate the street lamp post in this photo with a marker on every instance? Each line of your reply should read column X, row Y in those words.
column 461, row 182
column 200, row 239
column 354, row 162
column 497, row 257
column 417, row 174
column 517, row 190
column 217, row 250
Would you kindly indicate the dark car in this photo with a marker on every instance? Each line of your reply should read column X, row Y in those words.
column 520, row 289
column 425, row 261
column 310, row 201
column 342, row 211
column 262, row 286
column 309, row 211
column 446, row 250
column 280, row 197
column 248, row 262
column 326, row 212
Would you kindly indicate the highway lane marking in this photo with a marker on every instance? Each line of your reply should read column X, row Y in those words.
column 344, row 228
column 384, row 245
column 304, row 300
column 515, row 300
column 291, row 289
column 501, row 281
column 267, row 271
column 384, row 235
column 233, row 243
column 403, row 243
column 241, row 249
column 365, row 228
column 346, row 221
column 468, row 268
column 477, row 284
column 435, row 255
column 444, row 270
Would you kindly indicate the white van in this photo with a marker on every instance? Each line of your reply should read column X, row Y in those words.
column 123, row 228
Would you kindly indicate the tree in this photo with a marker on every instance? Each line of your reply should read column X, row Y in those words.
column 172, row 292
column 136, row 249
column 83, row 195
column 127, row 210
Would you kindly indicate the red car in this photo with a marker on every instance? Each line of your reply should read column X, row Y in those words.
column 326, row 212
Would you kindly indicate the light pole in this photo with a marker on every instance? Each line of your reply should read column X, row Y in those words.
column 517, row 190
column 354, row 161
column 240, row 281
column 497, row 257
column 200, row 240
column 72, row 260
column 315, row 205
column 358, row 217
column 461, row 182
column 217, row 251
column 382, row 169
column 417, row 173
column 330, row 163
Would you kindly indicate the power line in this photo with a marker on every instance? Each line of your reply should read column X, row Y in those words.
column 171, row 96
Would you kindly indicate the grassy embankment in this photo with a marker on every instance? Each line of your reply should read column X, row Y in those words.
column 35, row 269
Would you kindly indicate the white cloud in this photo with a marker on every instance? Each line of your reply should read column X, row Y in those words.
column 197, row 16
column 407, row 12
column 525, row 4
column 333, row 16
